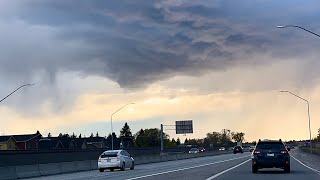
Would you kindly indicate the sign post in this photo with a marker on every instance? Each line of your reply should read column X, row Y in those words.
column 181, row 127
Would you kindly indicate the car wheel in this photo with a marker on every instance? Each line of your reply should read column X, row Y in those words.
column 101, row 170
column 287, row 169
column 254, row 169
column 111, row 169
column 132, row 167
column 123, row 167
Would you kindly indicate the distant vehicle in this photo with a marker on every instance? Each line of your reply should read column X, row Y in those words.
column 202, row 149
column 251, row 148
column 237, row 149
column 115, row 159
column 222, row 149
column 193, row 151
column 270, row 154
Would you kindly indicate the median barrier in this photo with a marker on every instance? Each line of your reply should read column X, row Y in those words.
column 182, row 156
column 138, row 160
column 83, row 165
column 164, row 158
column 67, row 167
column 28, row 171
column 172, row 158
column 94, row 164
column 49, row 169
column 8, row 173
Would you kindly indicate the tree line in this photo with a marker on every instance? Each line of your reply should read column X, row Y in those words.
column 145, row 138
column 224, row 138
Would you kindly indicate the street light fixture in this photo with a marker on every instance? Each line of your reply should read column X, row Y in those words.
column 281, row 26
column 112, row 124
column 308, row 114
column 15, row 91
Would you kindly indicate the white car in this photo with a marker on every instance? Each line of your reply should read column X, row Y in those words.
column 115, row 159
column 222, row 149
column 193, row 151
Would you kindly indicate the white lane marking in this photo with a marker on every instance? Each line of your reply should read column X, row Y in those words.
column 220, row 173
column 192, row 167
column 306, row 165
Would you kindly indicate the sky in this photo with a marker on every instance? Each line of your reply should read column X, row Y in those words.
column 220, row 63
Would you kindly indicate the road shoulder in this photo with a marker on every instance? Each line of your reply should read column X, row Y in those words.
column 308, row 159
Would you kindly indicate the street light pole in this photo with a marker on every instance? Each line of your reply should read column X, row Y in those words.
column 295, row 26
column 112, row 124
column 299, row 28
column 308, row 115
column 15, row 91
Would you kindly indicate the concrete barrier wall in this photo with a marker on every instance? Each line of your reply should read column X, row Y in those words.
column 8, row 173
column 28, row 171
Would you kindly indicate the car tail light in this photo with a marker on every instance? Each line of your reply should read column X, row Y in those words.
column 118, row 158
column 256, row 152
column 287, row 162
column 284, row 152
column 99, row 160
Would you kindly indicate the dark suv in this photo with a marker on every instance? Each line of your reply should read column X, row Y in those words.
column 270, row 154
column 237, row 149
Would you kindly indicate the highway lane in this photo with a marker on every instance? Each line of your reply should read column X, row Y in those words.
column 221, row 167
column 298, row 172
column 154, row 168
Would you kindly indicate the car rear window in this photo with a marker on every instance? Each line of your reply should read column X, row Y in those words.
column 109, row 154
column 270, row 145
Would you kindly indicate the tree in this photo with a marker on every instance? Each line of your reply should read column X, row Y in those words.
column 49, row 135
column 66, row 135
column 178, row 142
column 150, row 138
column 73, row 135
column 237, row 136
column 196, row 142
column 140, row 138
column 171, row 144
column 97, row 135
column 318, row 137
column 116, row 141
column 126, row 136
column 213, row 139
column 225, row 137
column 185, row 141
column 125, row 131
column 60, row 135
column 91, row 135
column 80, row 136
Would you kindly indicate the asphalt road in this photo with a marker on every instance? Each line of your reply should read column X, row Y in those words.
column 221, row 167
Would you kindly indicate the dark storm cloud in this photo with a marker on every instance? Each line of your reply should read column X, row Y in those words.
column 135, row 43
